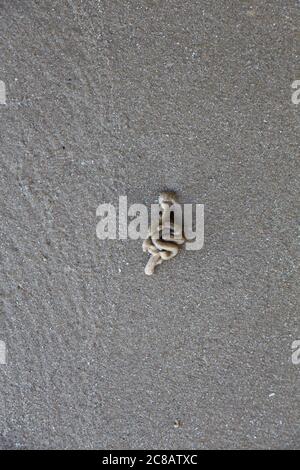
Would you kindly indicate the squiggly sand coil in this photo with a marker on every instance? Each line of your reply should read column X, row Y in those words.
column 165, row 236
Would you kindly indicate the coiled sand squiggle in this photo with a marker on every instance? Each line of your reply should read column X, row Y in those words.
column 165, row 237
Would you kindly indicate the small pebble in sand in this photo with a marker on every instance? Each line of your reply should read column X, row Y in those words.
column 177, row 423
